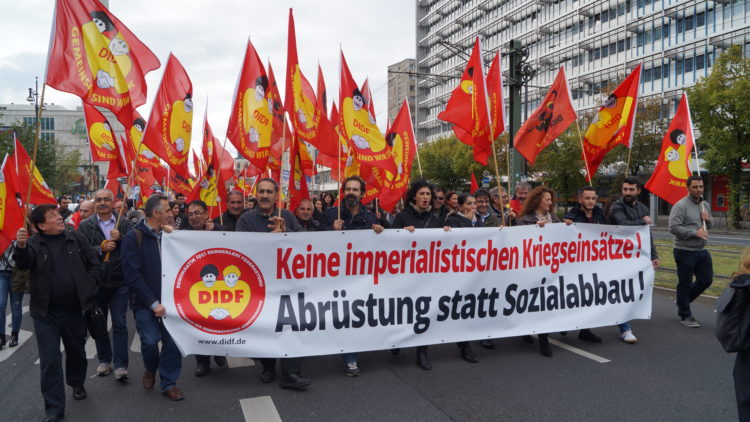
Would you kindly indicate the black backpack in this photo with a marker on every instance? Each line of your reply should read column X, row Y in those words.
column 733, row 319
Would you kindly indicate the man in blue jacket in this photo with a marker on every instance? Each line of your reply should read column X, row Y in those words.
column 142, row 267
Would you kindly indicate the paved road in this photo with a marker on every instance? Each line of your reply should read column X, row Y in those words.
column 714, row 238
column 673, row 374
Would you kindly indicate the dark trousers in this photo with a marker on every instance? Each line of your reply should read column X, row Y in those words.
column 742, row 385
column 69, row 326
column 288, row 365
column 114, row 300
column 691, row 263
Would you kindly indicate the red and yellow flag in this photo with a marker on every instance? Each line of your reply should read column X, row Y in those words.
column 672, row 170
column 119, row 167
column 358, row 125
column 94, row 56
column 401, row 139
column 301, row 102
column 546, row 123
column 11, row 208
column 171, row 122
column 322, row 95
column 251, row 122
column 614, row 124
column 211, row 186
column 281, row 137
column 495, row 96
column 297, row 179
column 101, row 137
column 40, row 192
column 469, row 109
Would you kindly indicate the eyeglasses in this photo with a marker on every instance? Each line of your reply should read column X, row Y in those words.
column 195, row 214
column 439, row 198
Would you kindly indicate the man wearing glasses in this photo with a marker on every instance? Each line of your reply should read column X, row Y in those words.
column 104, row 233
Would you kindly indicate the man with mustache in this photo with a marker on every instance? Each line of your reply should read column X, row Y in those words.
column 267, row 218
column 627, row 211
column 352, row 216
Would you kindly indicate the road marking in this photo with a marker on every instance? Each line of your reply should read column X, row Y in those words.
column 260, row 409
column 580, row 352
column 234, row 362
column 23, row 336
column 135, row 346
column 90, row 346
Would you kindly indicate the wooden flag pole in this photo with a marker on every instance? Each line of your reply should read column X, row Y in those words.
column 338, row 181
column 281, row 159
column 698, row 167
column 419, row 162
column 585, row 159
column 37, row 135
column 627, row 168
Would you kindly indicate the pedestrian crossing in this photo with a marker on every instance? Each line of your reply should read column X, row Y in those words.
column 260, row 409
column 23, row 337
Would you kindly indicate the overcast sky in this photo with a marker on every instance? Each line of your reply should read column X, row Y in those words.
column 209, row 38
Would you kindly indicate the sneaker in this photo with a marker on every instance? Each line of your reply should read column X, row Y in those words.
column 121, row 374
column 103, row 369
column 351, row 370
column 690, row 322
column 628, row 337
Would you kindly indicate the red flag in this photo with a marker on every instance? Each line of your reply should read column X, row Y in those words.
column 251, row 122
column 368, row 97
column 301, row 102
column 197, row 165
column 40, row 192
column 11, row 208
column 211, row 186
column 322, row 96
column 119, row 166
column 297, row 179
column 135, row 135
column 358, row 125
column 474, row 185
column 401, row 139
column 171, row 122
column 495, row 96
column 554, row 115
column 614, row 124
column 116, row 188
column 468, row 107
column 101, row 137
column 281, row 137
column 94, row 56
column 670, row 175
column 179, row 184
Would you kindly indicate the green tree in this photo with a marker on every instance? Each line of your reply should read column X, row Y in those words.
column 720, row 106
column 561, row 164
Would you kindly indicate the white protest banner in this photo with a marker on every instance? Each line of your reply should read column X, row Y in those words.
column 301, row 294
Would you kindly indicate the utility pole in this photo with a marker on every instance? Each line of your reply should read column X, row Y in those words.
column 520, row 73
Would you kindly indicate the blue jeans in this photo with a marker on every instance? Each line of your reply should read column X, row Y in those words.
column 691, row 263
column 169, row 360
column 15, row 303
column 625, row 326
column 114, row 300
column 349, row 358
column 69, row 326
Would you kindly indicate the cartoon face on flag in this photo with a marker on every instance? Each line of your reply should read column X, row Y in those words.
column 676, row 154
column 612, row 116
column 101, row 137
column 180, row 124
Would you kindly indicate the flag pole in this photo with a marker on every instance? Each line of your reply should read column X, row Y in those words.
column 281, row 158
column 627, row 168
column 218, row 202
column 36, row 145
column 583, row 152
column 695, row 154
column 338, row 179
column 419, row 162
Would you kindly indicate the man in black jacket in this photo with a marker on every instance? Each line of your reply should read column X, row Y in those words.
column 64, row 275
column 304, row 214
column 112, row 294
column 235, row 209
column 627, row 211
column 197, row 215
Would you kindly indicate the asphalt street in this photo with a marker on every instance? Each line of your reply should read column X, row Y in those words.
column 673, row 374
column 736, row 239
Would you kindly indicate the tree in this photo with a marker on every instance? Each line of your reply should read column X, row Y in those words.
column 57, row 165
column 561, row 164
column 720, row 106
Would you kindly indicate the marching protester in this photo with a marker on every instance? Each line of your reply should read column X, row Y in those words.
column 7, row 264
column 141, row 254
column 64, row 273
column 62, row 206
column 539, row 209
column 741, row 283
column 484, row 215
column 304, row 214
column 354, row 216
column 175, row 214
column 83, row 212
column 197, row 215
column 500, row 203
column 439, row 209
column 451, row 201
column 235, row 209
column 519, row 199
column 627, row 211
column 104, row 233
column 417, row 214
column 689, row 222
column 586, row 211
column 266, row 219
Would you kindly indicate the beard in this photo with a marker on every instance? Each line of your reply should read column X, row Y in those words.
column 351, row 200
column 629, row 199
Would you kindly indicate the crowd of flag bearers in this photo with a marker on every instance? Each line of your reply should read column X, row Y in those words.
column 373, row 168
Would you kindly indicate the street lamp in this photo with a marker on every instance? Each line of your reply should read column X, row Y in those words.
column 34, row 96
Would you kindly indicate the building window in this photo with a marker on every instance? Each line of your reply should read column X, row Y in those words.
column 48, row 123
column 47, row 136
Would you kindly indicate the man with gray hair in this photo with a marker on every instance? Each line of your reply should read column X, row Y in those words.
column 142, row 265
column 522, row 190
column 104, row 233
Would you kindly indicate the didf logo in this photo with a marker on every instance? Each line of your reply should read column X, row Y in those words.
column 219, row 291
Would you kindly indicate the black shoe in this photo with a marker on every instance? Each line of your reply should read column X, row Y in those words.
column 468, row 355
column 487, row 344
column 54, row 417
column 528, row 339
column 201, row 370
column 220, row 360
column 2, row 340
column 588, row 335
column 563, row 333
column 395, row 351
column 79, row 393
column 267, row 375
column 13, row 340
column 422, row 361
column 294, row 382
column 544, row 347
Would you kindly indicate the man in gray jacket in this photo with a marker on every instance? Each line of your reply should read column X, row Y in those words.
column 689, row 222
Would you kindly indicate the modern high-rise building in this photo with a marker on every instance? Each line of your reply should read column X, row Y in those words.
column 597, row 41
column 402, row 85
